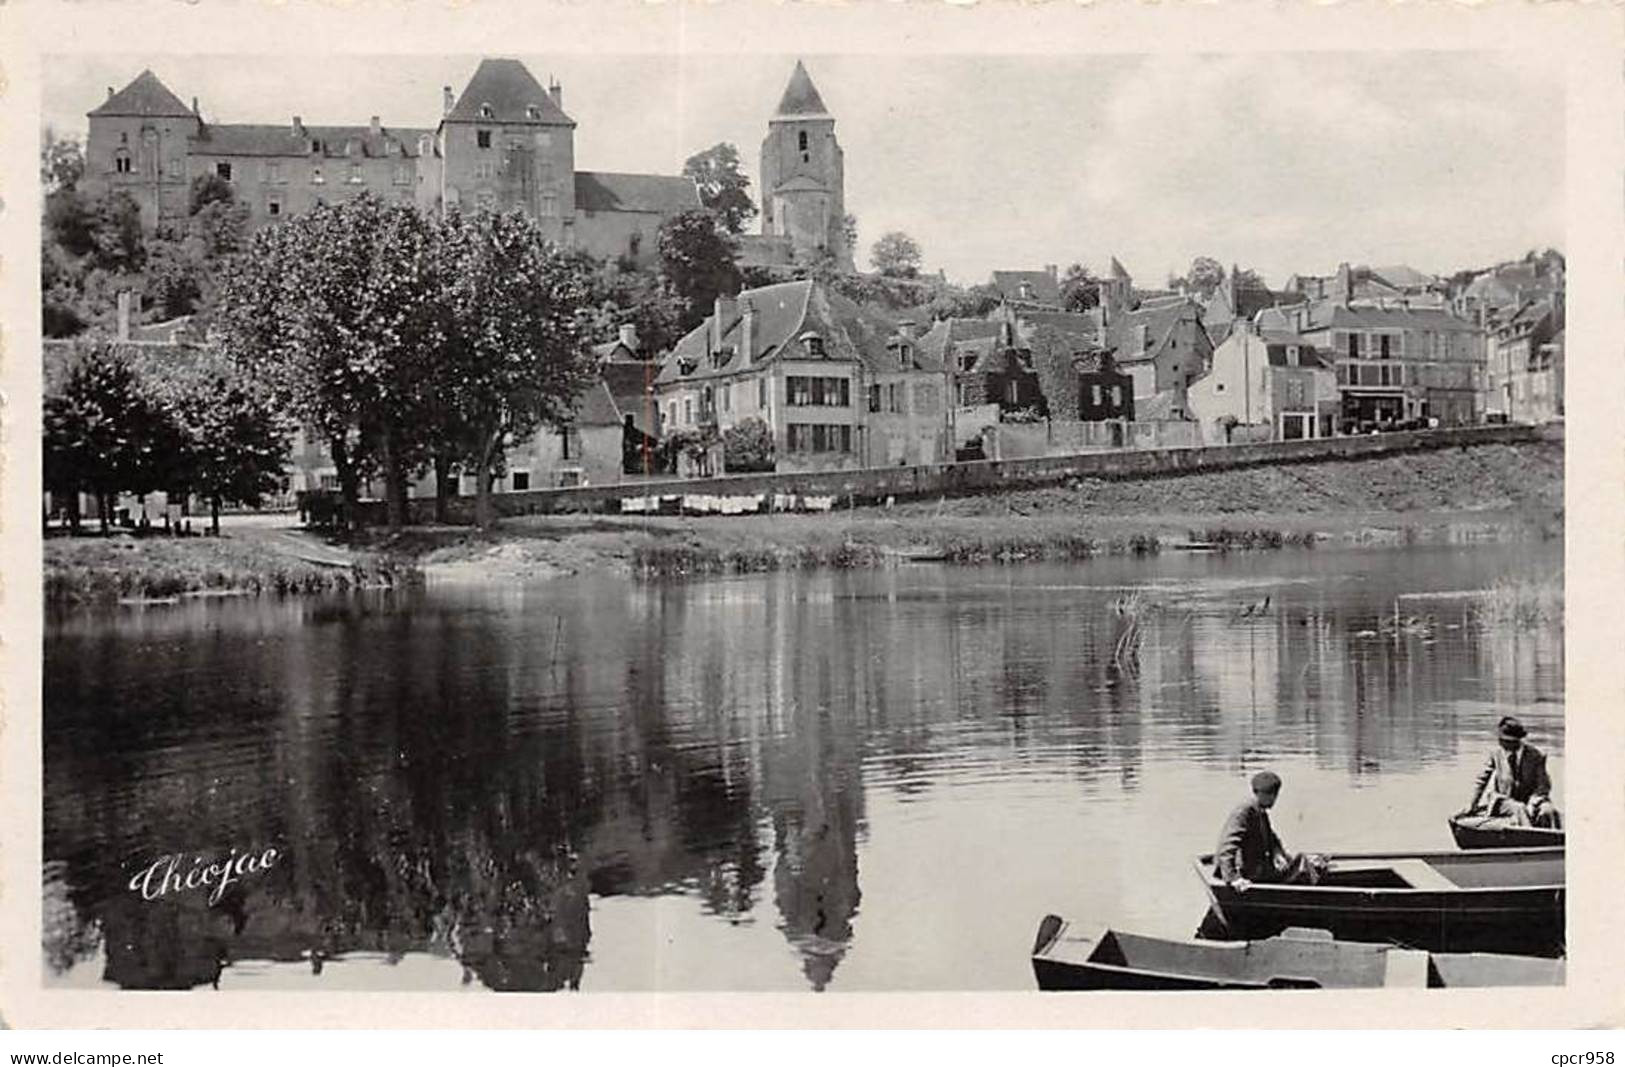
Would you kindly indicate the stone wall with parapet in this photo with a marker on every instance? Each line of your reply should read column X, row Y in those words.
column 867, row 485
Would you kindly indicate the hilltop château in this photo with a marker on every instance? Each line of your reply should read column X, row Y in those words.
column 504, row 143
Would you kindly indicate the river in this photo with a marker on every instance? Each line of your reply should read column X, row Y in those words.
column 871, row 780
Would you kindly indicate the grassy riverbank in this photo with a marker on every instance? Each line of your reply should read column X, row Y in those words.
column 104, row 570
column 1458, row 496
column 1481, row 494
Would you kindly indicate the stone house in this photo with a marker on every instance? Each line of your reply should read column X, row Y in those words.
column 1163, row 346
column 1265, row 385
column 1524, row 373
column 907, row 401
column 1394, row 363
column 803, row 359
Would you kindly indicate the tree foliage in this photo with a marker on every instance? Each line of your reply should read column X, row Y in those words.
column 1204, row 276
column 697, row 259
column 724, row 189
column 62, row 162
column 1080, row 289
column 896, row 255
column 748, row 446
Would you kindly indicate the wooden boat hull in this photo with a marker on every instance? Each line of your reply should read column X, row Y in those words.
column 1497, row 900
column 1470, row 834
column 1068, row 957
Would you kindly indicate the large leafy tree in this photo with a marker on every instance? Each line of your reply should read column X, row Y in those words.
column 697, row 259
column 289, row 315
column 896, row 255
column 724, row 189
column 517, row 320
column 104, row 432
column 232, row 440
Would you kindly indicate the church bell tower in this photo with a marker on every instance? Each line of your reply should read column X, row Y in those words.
column 803, row 174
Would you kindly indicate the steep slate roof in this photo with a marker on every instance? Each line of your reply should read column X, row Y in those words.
column 1326, row 315
column 1072, row 323
column 511, row 91
column 1405, row 277
column 240, row 139
column 146, row 97
column 1276, row 344
column 801, row 99
column 781, row 315
column 596, row 407
column 657, row 194
column 1159, row 319
column 977, row 336
column 1041, row 284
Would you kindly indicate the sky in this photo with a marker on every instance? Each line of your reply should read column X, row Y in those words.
column 1285, row 162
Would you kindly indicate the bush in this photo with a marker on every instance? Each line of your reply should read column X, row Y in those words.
column 748, row 446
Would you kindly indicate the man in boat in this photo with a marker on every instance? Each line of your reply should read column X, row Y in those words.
column 1513, row 783
column 1248, row 849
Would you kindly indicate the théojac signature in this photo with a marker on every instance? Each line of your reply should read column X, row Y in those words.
column 171, row 874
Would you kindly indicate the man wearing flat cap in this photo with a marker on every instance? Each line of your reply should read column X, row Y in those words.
column 1513, row 783
column 1248, row 849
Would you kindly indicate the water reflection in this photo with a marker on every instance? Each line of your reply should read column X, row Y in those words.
column 600, row 785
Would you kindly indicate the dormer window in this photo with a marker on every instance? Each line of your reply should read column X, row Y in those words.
column 904, row 355
column 486, row 112
column 533, row 112
column 814, row 345
column 686, row 365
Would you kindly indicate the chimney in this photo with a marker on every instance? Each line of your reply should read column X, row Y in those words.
column 298, row 127
column 446, row 100
column 194, row 106
column 721, row 318
column 377, row 127
column 1053, row 271
column 747, row 329
column 109, row 92
column 629, row 336
column 124, row 315
column 556, row 91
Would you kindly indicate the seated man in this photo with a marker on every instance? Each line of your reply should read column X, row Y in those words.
column 1513, row 783
column 1248, row 849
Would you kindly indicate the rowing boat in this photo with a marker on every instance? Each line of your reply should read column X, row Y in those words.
column 1068, row 957
column 1487, row 899
column 1482, row 831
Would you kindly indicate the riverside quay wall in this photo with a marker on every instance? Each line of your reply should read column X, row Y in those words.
column 874, row 484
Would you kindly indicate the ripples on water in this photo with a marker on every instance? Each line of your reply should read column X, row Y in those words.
column 869, row 780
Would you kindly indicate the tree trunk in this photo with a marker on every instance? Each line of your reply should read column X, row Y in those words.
column 394, row 481
column 484, row 510
column 103, row 510
column 349, row 482
column 442, row 487
column 73, row 510
column 214, row 514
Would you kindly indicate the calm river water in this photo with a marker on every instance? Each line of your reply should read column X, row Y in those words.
column 851, row 781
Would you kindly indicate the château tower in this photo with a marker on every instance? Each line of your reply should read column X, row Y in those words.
column 803, row 174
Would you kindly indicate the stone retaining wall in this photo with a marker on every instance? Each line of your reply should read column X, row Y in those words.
column 955, row 479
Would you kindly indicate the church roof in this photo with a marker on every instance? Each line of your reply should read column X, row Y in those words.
column 801, row 99
column 657, row 194
column 507, row 86
column 146, row 97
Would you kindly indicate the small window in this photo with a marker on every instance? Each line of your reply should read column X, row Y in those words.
column 521, row 481
column 874, row 398
column 403, row 174
column 273, row 207
column 121, row 162
column 175, row 168
column 486, row 112
column 533, row 112
column 550, row 206
column 1094, row 395
column 815, row 347
column 482, row 138
column 223, row 170
column 801, row 141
